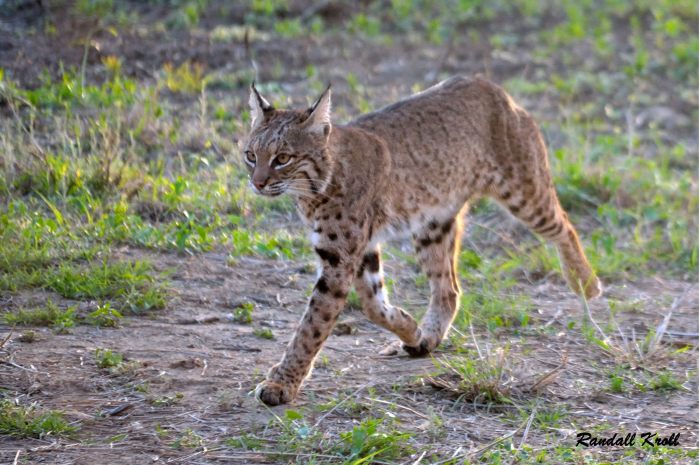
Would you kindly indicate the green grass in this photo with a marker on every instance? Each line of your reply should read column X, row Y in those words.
column 367, row 442
column 488, row 296
column 637, row 220
column 28, row 422
column 245, row 442
column 476, row 377
column 665, row 381
column 549, row 417
column 509, row 452
column 625, row 380
column 100, row 281
column 373, row 440
column 50, row 315
column 617, row 383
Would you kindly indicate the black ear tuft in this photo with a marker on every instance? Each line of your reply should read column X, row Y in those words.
column 318, row 100
column 264, row 104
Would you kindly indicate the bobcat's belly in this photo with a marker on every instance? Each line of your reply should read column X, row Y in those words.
column 404, row 226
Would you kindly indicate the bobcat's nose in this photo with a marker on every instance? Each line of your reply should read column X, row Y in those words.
column 260, row 182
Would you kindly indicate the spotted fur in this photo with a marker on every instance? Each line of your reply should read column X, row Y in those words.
column 409, row 168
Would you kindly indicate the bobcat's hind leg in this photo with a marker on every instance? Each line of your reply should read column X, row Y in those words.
column 369, row 284
column 543, row 214
column 437, row 245
column 521, row 180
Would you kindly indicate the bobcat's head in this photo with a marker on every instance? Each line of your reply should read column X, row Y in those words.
column 287, row 150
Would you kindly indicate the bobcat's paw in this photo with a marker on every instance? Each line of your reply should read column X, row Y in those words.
column 594, row 289
column 391, row 349
column 273, row 393
column 425, row 346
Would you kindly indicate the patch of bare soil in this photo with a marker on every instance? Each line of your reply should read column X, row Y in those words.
column 191, row 368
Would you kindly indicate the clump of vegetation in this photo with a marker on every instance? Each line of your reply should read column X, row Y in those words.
column 49, row 315
column 475, row 377
column 187, row 78
column 61, row 320
column 372, row 440
column 243, row 313
column 617, row 383
column 188, row 439
column 28, row 422
column 368, row 443
column 245, row 442
column 264, row 333
column 106, row 359
column 27, row 337
column 665, row 381
column 130, row 281
column 488, row 298
column 166, row 400
column 105, row 316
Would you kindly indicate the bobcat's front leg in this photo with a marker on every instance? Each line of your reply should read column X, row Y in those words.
column 326, row 302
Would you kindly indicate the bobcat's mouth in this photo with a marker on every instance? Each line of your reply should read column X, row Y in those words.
column 269, row 191
column 272, row 194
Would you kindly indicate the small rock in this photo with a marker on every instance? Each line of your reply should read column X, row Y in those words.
column 188, row 364
column 345, row 328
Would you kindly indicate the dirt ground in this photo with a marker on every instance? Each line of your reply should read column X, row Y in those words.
column 197, row 367
column 195, row 352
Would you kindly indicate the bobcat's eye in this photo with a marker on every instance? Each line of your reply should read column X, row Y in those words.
column 250, row 157
column 282, row 159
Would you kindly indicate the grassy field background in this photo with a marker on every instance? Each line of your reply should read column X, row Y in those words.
column 144, row 290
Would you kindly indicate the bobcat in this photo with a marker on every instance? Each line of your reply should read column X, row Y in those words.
column 411, row 167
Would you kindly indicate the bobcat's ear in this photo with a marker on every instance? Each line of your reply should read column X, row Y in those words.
column 258, row 106
column 319, row 119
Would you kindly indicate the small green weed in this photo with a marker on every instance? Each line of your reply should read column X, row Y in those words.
column 188, row 439
column 107, row 359
column 348, row 406
column 617, row 383
column 105, row 316
column 243, row 313
column 368, row 25
column 289, row 28
column 187, row 14
column 264, row 333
